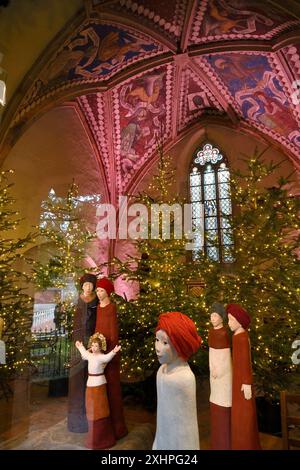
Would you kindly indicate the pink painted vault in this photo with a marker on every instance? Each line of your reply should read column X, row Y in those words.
column 144, row 72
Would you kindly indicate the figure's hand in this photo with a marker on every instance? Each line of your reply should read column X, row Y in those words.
column 247, row 391
column 78, row 344
column 116, row 349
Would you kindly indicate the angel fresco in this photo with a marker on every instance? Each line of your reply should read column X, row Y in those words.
column 266, row 103
column 110, row 50
column 232, row 16
column 96, row 50
column 70, row 58
column 237, row 66
column 142, row 97
column 141, row 106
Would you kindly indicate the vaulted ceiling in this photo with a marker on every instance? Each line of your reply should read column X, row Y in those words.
column 148, row 71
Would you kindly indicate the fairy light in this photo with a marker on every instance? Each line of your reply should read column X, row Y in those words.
column 264, row 279
column 16, row 305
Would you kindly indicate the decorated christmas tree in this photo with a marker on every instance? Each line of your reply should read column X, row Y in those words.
column 265, row 275
column 66, row 230
column 163, row 272
column 15, row 304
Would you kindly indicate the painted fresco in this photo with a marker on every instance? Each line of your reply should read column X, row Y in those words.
column 96, row 52
column 235, row 19
column 141, row 121
column 292, row 56
column 165, row 15
column 195, row 98
column 94, row 112
column 257, row 91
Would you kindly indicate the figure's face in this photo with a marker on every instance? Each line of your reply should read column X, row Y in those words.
column 233, row 323
column 216, row 319
column 166, row 353
column 87, row 288
column 95, row 348
column 101, row 293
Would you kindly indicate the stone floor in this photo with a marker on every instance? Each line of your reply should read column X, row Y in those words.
column 45, row 425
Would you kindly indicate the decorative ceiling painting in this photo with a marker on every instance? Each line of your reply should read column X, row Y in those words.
column 257, row 92
column 237, row 19
column 94, row 53
column 195, row 99
column 147, row 72
column 93, row 110
column 164, row 15
column 141, row 119
column 292, row 54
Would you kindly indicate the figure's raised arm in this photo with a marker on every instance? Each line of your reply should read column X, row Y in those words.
column 109, row 356
column 84, row 353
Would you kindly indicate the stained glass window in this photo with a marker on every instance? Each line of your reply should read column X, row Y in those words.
column 211, row 204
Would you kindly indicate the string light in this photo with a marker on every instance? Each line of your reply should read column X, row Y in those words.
column 264, row 278
column 16, row 305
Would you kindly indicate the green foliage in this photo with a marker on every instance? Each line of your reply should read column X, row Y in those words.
column 64, row 228
column 15, row 304
column 163, row 274
column 265, row 277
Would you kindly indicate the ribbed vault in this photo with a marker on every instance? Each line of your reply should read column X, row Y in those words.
column 142, row 72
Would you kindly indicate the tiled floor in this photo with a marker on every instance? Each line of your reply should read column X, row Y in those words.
column 45, row 427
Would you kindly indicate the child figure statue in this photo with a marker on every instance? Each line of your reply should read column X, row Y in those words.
column 177, row 425
column 244, row 429
column 220, row 380
column 96, row 401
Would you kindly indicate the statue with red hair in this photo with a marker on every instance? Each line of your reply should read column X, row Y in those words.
column 244, row 429
column 113, row 427
column 177, row 425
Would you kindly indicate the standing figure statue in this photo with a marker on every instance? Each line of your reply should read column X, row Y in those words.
column 83, row 327
column 107, row 323
column 96, row 402
column 177, row 424
column 244, row 429
column 220, row 368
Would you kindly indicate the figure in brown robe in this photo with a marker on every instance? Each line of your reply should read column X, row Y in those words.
column 244, row 429
column 83, row 327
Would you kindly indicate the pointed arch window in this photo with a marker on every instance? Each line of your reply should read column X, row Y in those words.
column 211, row 204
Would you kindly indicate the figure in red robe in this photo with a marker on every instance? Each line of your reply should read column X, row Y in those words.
column 107, row 325
column 244, row 429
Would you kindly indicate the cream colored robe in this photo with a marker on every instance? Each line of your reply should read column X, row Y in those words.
column 177, row 424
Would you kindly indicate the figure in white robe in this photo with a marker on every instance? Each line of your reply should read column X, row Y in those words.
column 220, row 380
column 177, row 423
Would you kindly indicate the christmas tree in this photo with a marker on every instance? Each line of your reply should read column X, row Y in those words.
column 15, row 305
column 265, row 275
column 163, row 272
column 66, row 228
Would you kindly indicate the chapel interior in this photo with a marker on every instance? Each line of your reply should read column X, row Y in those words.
column 91, row 91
